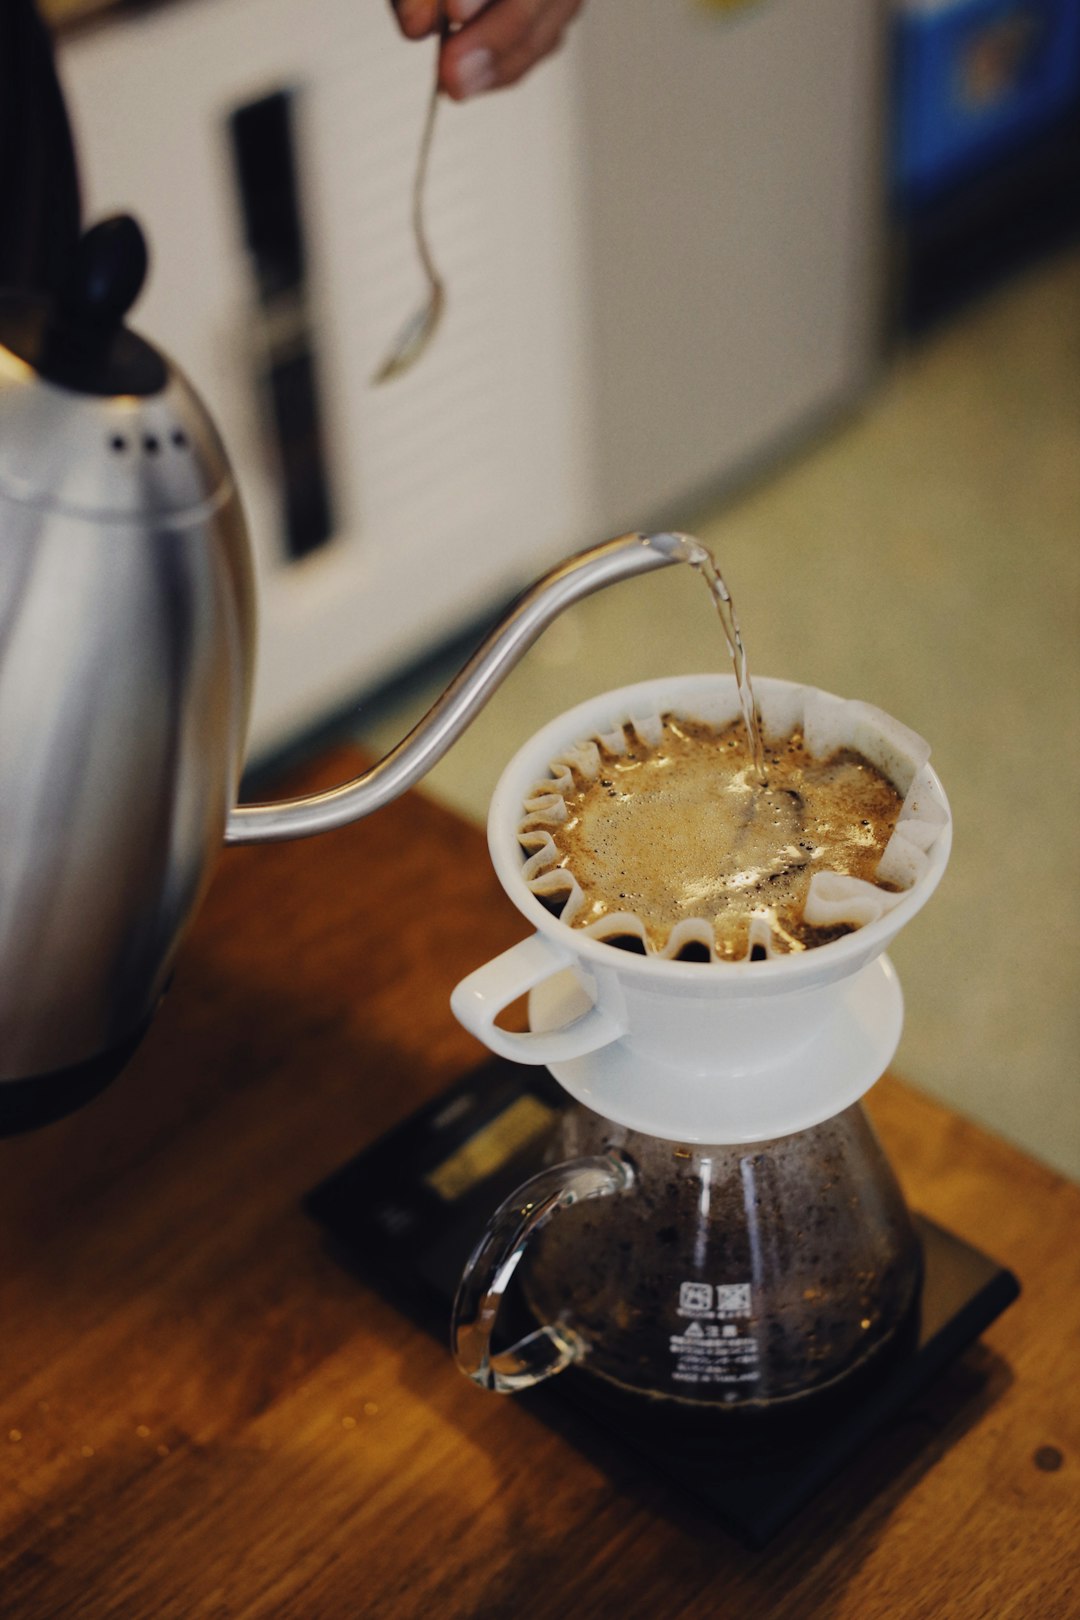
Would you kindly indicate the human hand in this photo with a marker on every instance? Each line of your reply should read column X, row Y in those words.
column 494, row 42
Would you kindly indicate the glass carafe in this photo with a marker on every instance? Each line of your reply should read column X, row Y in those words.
column 699, row 1276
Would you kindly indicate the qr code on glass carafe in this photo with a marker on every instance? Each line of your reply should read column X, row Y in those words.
column 733, row 1299
column 725, row 1299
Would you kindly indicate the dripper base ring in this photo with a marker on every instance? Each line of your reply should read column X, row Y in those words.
column 832, row 1069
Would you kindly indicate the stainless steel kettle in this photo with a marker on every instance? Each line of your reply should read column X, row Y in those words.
column 127, row 641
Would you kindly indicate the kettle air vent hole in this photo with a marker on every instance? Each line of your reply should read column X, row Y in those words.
column 179, row 438
column 151, row 444
column 118, row 443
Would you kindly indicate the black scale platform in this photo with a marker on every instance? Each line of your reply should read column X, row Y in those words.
column 406, row 1213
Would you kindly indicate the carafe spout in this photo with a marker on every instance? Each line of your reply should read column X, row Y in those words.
column 576, row 577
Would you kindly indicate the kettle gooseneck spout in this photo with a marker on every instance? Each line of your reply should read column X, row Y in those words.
column 578, row 576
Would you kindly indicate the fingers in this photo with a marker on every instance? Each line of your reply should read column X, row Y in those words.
column 495, row 42
column 504, row 39
column 499, row 42
column 417, row 18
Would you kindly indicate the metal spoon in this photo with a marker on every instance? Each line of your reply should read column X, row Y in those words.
column 421, row 326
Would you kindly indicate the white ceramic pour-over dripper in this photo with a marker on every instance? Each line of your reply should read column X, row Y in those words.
column 720, row 1052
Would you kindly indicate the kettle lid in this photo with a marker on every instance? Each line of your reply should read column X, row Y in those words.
column 78, row 340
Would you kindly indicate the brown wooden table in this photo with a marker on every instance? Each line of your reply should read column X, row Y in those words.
column 202, row 1415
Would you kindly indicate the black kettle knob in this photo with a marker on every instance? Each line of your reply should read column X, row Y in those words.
column 106, row 276
column 78, row 340
column 84, row 344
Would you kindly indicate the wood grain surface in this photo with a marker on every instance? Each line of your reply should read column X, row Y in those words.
column 203, row 1415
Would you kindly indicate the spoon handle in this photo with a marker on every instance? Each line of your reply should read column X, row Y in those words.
column 423, row 247
column 418, row 330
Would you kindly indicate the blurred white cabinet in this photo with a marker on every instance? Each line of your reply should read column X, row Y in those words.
column 733, row 228
column 660, row 253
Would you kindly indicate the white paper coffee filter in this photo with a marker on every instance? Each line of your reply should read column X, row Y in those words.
column 827, row 724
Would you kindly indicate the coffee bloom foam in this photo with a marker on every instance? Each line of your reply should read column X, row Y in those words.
column 827, row 724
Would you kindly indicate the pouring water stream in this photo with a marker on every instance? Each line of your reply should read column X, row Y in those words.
column 702, row 560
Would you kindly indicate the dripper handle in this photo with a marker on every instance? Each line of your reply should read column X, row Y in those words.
column 429, row 740
column 480, row 997
column 554, row 1346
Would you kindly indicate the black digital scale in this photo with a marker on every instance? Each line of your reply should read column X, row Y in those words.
column 406, row 1213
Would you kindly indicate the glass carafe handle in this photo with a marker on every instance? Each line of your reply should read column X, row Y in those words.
column 554, row 1346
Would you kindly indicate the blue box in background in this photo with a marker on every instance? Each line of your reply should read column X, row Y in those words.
column 972, row 81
